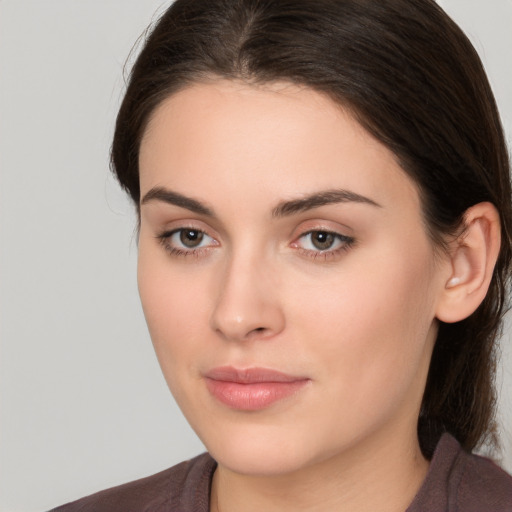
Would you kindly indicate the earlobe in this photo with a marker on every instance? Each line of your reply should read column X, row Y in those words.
column 473, row 255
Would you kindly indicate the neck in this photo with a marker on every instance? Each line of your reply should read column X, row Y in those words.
column 376, row 477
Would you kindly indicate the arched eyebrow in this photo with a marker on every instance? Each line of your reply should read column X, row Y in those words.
column 168, row 196
column 318, row 199
column 283, row 209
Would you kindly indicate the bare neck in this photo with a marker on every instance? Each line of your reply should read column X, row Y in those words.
column 378, row 477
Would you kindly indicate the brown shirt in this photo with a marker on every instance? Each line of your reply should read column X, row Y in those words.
column 456, row 482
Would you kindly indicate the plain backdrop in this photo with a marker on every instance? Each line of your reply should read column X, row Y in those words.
column 83, row 404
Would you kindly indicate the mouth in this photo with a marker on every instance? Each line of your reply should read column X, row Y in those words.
column 251, row 389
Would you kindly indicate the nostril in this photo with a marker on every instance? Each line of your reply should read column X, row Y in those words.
column 256, row 333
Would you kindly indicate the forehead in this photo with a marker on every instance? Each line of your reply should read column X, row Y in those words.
column 280, row 138
column 244, row 109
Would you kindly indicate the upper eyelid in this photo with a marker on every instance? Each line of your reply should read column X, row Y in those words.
column 324, row 230
column 175, row 226
column 341, row 236
column 164, row 239
column 166, row 232
column 312, row 227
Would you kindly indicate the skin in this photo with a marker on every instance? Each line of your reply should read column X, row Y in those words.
column 358, row 320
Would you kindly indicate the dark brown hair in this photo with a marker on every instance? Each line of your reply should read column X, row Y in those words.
column 412, row 78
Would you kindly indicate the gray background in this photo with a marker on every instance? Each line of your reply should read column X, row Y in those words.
column 83, row 404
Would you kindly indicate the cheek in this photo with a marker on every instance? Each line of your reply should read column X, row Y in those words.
column 370, row 321
column 174, row 307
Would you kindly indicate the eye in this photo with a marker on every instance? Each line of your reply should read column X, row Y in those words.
column 190, row 238
column 185, row 241
column 320, row 241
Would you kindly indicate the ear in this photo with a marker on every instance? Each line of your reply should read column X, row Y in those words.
column 473, row 255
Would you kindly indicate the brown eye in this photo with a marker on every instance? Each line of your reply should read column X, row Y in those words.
column 322, row 240
column 191, row 237
column 187, row 242
column 318, row 241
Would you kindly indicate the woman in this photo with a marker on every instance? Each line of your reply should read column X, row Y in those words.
column 324, row 251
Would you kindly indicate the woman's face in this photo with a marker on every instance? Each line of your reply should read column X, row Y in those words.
column 286, row 276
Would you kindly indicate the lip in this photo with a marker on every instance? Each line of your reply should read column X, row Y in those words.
column 251, row 389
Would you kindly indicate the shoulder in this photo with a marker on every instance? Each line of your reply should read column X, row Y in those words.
column 183, row 487
column 482, row 483
column 458, row 481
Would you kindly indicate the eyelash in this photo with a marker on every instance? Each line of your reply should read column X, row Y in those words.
column 347, row 243
column 166, row 236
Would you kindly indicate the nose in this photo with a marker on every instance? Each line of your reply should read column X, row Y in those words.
column 248, row 305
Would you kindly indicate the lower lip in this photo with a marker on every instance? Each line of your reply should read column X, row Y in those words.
column 252, row 396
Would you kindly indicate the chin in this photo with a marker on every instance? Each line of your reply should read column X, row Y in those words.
column 262, row 450
column 254, row 460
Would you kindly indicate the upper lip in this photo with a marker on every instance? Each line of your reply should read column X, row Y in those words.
column 250, row 375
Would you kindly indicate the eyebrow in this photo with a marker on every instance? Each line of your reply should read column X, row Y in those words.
column 283, row 209
column 318, row 199
column 170, row 197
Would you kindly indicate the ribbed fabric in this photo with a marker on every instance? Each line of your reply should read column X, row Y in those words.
column 182, row 488
column 456, row 482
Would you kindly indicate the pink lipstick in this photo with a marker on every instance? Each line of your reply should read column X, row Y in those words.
column 251, row 389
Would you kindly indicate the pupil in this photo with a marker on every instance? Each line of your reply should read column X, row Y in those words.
column 322, row 240
column 191, row 237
